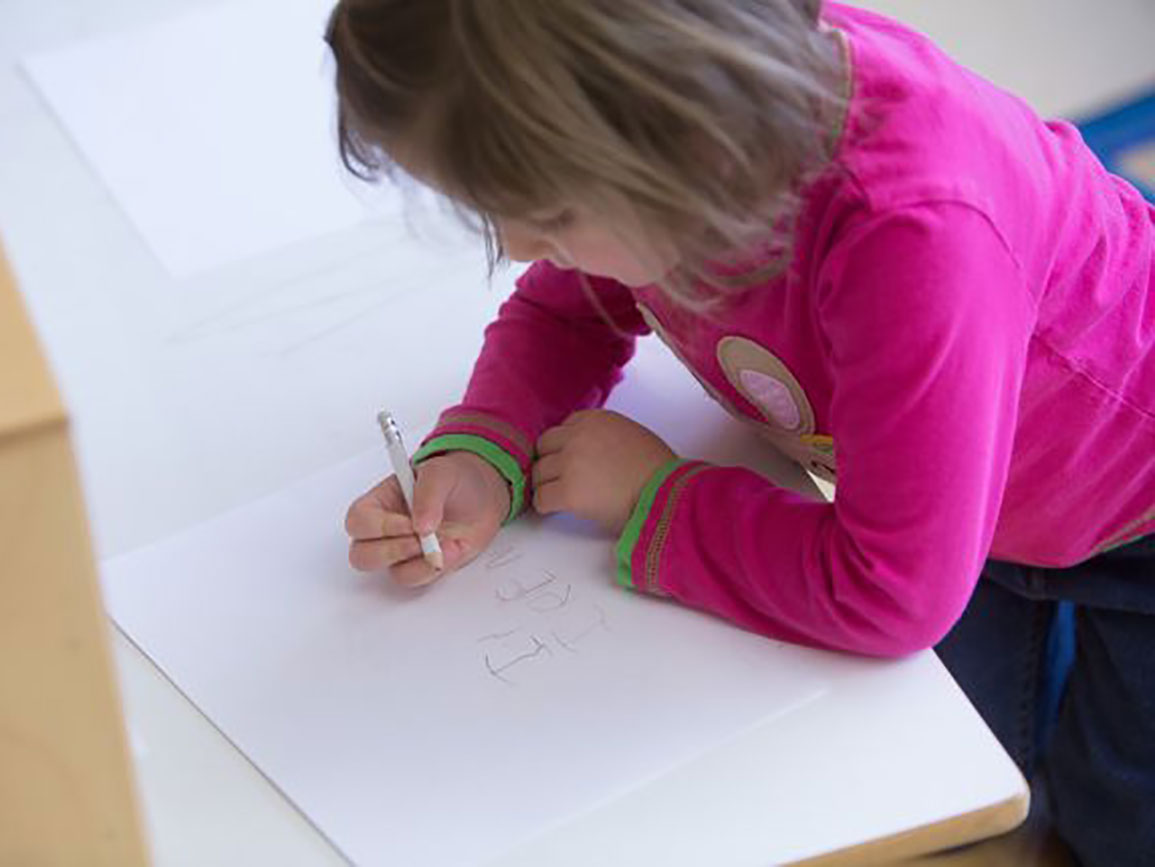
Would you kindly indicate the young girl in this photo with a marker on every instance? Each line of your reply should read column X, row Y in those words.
column 895, row 270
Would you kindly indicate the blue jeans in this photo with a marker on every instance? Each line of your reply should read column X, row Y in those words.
column 1087, row 740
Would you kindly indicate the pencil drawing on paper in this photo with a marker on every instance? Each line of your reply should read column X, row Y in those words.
column 543, row 613
column 308, row 307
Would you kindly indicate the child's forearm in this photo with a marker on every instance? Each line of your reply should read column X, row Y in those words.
column 727, row 541
column 549, row 353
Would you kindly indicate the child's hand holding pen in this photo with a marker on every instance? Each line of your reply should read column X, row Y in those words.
column 593, row 465
column 458, row 495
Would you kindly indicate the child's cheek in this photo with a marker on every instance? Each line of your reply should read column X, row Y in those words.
column 613, row 260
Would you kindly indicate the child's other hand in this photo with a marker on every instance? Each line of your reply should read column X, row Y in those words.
column 458, row 494
column 595, row 465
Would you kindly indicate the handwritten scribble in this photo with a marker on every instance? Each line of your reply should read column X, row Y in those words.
column 550, row 600
column 539, row 647
column 519, row 590
column 493, row 636
column 550, row 616
column 503, row 557
column 590, row 626
column 300, row 296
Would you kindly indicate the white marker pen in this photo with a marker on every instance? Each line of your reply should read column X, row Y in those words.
column 430, row 547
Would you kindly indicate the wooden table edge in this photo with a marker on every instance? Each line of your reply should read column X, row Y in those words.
column 960, row 830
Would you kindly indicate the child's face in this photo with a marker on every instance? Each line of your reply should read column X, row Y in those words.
column 574, row 237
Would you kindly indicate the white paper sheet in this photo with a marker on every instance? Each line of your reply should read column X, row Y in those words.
column 213, row 130
column 517, row 694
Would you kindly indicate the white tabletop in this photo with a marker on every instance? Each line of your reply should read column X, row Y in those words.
column 151, row 419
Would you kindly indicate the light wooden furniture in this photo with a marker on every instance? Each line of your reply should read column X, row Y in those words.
column 66, row 790
column 1032, row 844
column 959, row 831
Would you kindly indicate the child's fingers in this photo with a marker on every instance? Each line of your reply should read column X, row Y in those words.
column 547, row 469
column 553, row 440
column 379, row 513
column 547, row 498
column 371, row 523
column 415, row 572
column 373, row 555
column 435, row 481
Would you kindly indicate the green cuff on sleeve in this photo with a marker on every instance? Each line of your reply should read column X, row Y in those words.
column 632, row 532
column 498, row 458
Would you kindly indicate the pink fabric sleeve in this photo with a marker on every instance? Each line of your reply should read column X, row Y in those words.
column 927, row 322
column 550, row 352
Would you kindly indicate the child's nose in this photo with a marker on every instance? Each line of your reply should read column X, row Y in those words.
column 521, row 245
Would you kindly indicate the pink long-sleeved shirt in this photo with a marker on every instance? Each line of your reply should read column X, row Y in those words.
column 965, row 340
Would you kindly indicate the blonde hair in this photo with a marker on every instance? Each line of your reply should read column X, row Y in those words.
column 702, row 115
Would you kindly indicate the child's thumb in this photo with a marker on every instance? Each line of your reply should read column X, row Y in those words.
column 430, row 492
